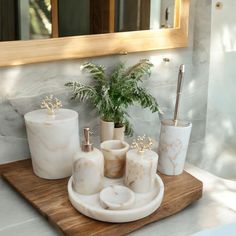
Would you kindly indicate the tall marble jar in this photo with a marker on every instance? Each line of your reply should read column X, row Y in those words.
column 141, row 168
column 53, row 141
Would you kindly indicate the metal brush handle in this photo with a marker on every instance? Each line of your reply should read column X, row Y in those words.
column 179, row 91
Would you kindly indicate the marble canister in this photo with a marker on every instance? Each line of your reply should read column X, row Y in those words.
column 140, row 172
column 53, row 141
column 114, row 152
column 173, row 145
column 106, row 130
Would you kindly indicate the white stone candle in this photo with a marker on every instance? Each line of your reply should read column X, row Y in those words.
column 53, row 141
column 141, row 170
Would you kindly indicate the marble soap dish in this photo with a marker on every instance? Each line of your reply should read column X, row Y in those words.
column 141, row 204
column 117, row 197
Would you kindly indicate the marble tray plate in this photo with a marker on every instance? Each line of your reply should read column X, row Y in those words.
column 145, row 203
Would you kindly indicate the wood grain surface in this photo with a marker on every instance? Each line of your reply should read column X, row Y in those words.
column 50, row 198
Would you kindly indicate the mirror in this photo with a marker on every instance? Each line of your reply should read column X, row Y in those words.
column 42, row 19
column 18, row 52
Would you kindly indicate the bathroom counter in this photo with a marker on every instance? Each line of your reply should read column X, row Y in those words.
column 217, row 207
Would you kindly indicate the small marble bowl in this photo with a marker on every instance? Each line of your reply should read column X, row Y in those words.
column 117, row 197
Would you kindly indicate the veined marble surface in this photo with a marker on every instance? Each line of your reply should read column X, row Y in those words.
column 144, row 204
column 220, row 145
column 23, row 87
column 53, row 142
column 173, row 146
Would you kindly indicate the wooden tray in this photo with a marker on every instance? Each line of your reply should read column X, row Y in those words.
column 50, row 198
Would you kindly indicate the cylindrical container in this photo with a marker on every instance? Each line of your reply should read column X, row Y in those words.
column 106, row 130
column 119, row 133
column 53, row 141
column 114, row 152
column 173, row 145
column 88, row 168
column 140, row 172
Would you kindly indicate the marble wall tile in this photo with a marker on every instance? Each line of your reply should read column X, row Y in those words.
column 23, row 87
column 220, row 139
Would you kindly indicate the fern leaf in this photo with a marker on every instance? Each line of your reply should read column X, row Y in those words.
column 97, row 72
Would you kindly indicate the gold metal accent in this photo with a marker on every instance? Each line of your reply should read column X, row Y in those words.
column 51, row 103
column 142, row 143
column 86, row 145
column 178, row 93
column 219, row 5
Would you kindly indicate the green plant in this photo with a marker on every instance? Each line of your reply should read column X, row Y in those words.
column 112, row 95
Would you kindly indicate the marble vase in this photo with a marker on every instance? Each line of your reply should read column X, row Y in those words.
column 119, row 133
column 53, row 141
column 114, row 152
column 106, row 130
column 173, row 145
column 140, row 171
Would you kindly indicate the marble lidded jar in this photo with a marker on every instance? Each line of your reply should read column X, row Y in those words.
column 53, row 141
column 141, row 166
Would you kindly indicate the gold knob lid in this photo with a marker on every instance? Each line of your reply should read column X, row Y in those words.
column 51, row 103
column 86, row 145
column 142, row 143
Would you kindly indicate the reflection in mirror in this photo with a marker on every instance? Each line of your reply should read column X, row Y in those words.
column 39, row 24
column 32, row 19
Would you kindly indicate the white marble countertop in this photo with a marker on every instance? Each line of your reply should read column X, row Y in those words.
column 217, row 207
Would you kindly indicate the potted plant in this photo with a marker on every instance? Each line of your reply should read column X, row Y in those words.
column 112, row 94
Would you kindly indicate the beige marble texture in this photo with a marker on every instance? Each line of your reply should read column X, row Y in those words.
column 145, row 204
column 88, row 172
column 140, row 170
column 173, row 146
column 106, row 130
column 53, row 141
column 116, row 197
column 23, row 87
column 114, row 152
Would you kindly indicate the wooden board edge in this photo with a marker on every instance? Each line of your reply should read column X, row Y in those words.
column 195, row 196
column 6, row 167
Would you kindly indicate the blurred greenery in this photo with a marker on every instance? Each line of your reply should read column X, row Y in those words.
column 40, row 19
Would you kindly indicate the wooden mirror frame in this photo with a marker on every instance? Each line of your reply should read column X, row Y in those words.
column 33, row 51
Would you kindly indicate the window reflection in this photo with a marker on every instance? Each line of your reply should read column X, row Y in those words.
column 40, row 19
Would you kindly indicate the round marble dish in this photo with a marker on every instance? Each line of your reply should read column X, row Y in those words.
column 145, row 203
column 117, row 197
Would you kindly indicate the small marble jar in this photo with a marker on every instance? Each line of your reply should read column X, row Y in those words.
column 140, row 172
column 114, row 152
column 53, row 141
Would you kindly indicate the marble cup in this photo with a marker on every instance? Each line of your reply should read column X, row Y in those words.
column 140, row 172
column 53, row 141
column 114, row 152
column 173, row 145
